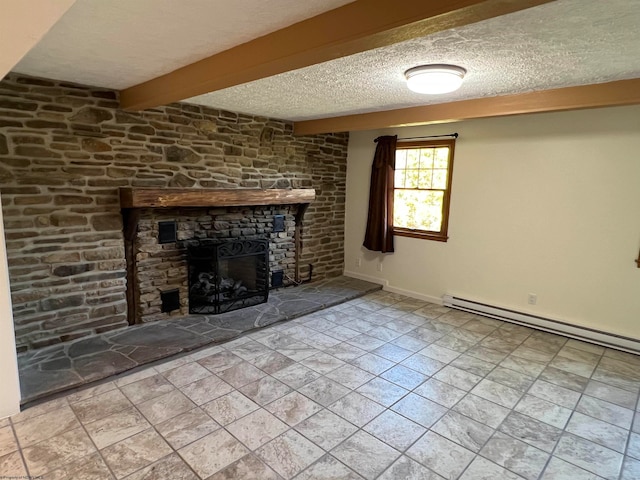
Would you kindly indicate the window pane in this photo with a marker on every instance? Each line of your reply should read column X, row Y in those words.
column 425, row 178
column 412, row 178
column 418, row 209
column 426, row 157
column 399, row 179
column 440, row 179
column 413, row 158
column 401, row 159
column 441, row 157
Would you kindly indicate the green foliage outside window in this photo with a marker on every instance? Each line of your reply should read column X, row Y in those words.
column 421, row 182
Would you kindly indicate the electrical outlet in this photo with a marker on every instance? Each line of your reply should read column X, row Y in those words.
column 358, row 262
column 379, row 266
column 532, row 299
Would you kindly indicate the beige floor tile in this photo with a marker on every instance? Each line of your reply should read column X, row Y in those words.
column 326, row 429
column 171, row 467
column 11, row 466
column 519, row 457
column 116, row 427
column 135, row 452
column 441, row 455
column 186, row 374
column 289, row 454
column 57, row 451
column 322, row 363
column 241, row 374
column 39, row 409
column 229, row 407
column 220, row 361
column 187, row 427
column 382, row 391
column 205, row 352
column 328, row 468
column 127, row 378
column 213, row 453
column 91, row 467
column 293, row 408
column 420, row 410
column 440, row 392
column 90, row 392
column 365, row 454
column 100, row 406
column 404, row 376
column 271, row 362
column 395, row 430
column 265, row 390
column 172, row 363
column 296, row 375
column 206, row 389
column 250, row 350
column 356, row 408
column 147, row 388
column 166, row 406
column 350, row 376
column 463, row 430
column 248, row 467
column 372, row 363
column 257, row 428
column 482, row 410
column 324, row 391
column 8, row 441
column 481, row 469
column 405, row 468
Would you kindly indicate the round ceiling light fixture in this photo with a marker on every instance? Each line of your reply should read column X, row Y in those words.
column 434, row 79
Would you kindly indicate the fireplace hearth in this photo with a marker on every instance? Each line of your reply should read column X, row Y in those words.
column 226, row 276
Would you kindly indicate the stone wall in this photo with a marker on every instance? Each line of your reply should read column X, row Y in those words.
column 66, row 149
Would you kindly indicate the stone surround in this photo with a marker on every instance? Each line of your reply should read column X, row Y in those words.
column 68, row 365
column 162, row 267
column 65, row 150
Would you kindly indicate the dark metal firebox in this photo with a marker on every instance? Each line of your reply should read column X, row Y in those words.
column 225, row 276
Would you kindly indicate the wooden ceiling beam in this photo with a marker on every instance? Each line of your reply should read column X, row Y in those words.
column 355, row 27
column 618, row 93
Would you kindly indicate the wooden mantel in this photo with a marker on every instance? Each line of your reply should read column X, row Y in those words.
column 131, row 197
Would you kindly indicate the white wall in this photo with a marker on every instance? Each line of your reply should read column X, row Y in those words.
column 546, row 204
column 10, row 397
column 22, row 24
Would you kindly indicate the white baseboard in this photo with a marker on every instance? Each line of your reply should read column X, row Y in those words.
column 366, row 278
column 390, row 288
column 552, row 325
column 412, row 294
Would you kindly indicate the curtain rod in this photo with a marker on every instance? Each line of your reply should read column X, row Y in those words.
column 454, row 135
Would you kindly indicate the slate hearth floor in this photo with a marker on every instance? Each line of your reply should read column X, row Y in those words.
column 61, row 367
column 381, row 387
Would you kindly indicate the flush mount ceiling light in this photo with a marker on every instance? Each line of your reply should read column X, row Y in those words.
column 434, row 79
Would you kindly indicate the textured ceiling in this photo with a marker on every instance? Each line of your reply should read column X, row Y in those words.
column 559, row 44
column 119, row 43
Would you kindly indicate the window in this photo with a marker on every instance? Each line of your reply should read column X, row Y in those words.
column 422, row 189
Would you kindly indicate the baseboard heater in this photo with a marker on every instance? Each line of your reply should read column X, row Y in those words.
column 585, row 334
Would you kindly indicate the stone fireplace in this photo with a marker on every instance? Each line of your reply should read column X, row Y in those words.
column 66, row 150
column 218, row 254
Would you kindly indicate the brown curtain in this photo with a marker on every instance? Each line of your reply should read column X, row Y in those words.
column 379, row 234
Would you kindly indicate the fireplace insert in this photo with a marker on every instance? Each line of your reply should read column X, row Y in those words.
column 229, row 275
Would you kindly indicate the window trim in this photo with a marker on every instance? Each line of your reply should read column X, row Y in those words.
column 442, row 235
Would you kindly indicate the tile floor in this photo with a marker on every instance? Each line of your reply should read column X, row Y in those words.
column 382, row 387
